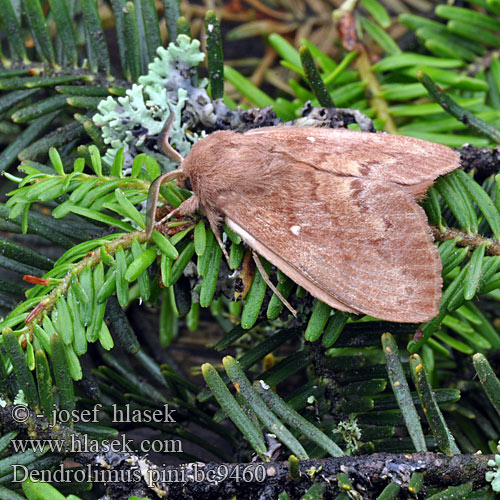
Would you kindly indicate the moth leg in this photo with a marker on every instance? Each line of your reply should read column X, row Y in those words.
column 186, row 207
column 266, row 278
column 214, row 221
column 222, row 247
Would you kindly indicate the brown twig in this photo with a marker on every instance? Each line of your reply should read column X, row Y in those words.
column 369, row 474
column 484, row 161
column 464, row 239
column 373, row 88
column 260, row 71
column 262, row 7
column 346, row 24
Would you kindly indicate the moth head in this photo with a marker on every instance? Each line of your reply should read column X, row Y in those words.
column 187, row 172
column 182, row 179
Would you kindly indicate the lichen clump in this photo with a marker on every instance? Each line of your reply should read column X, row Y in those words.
column 493, row 476
column 133, row 122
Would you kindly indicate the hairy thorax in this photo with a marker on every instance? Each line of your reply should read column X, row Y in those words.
column 224, row 166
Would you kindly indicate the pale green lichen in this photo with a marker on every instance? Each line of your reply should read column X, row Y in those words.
column 493, row 476
column 20, row 398
column 351, row 434
column 132, row 121
column 312, row 471
column 175, row 64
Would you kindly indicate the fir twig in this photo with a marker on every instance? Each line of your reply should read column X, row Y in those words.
column 466, row 240
column 368, row 472
column 49, row 302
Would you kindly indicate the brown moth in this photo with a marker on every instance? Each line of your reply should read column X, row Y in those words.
column 336, row 210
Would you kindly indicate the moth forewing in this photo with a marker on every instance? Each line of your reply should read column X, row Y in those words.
column 284, row 266
column 403, row 160
column 365, row 248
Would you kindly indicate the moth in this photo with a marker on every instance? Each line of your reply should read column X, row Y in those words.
column 336, row 210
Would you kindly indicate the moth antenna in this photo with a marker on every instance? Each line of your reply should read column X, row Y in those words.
column 152, row 201
column 266, row 278
column 214, row 220
column 164, row 136
column 154, row 188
